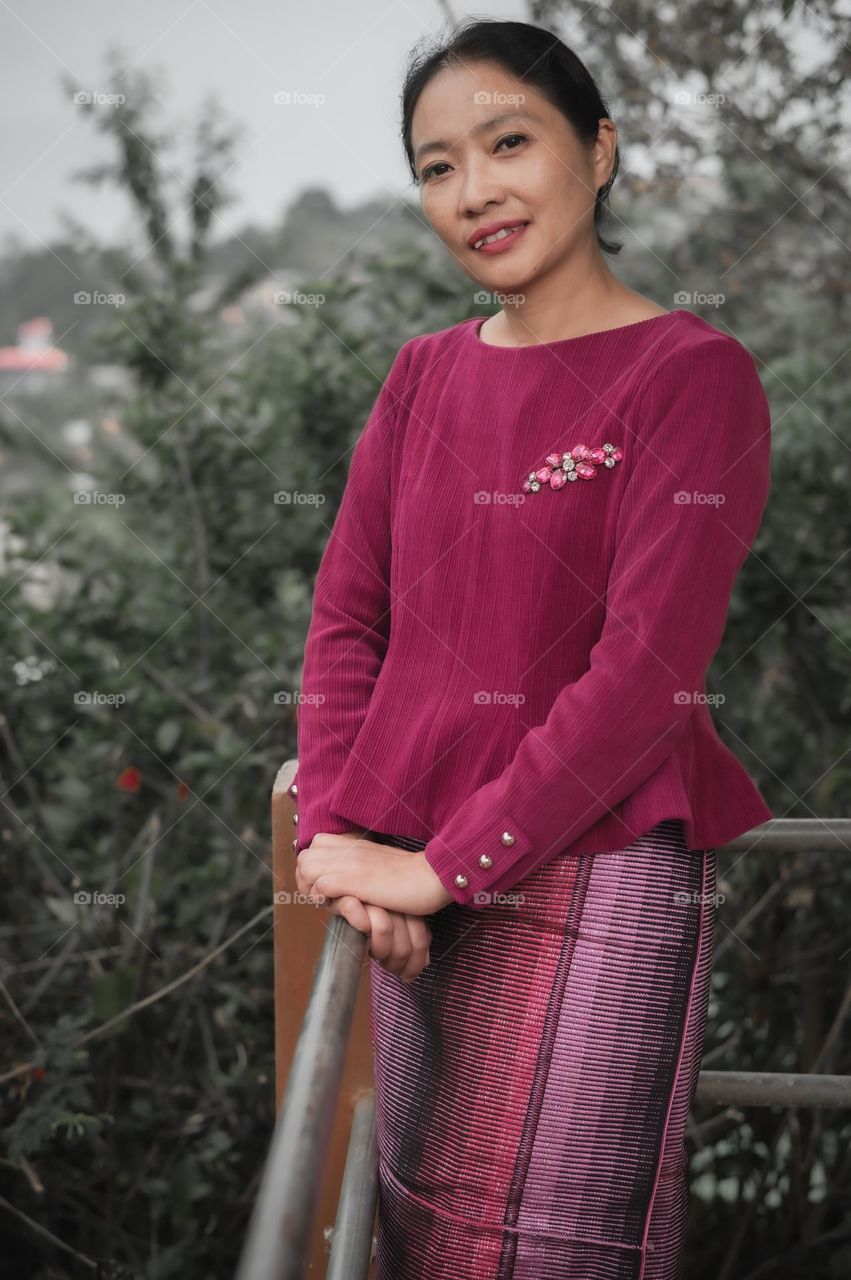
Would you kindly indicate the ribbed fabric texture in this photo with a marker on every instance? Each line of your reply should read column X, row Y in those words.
column 509, row 675
column 533, row 1083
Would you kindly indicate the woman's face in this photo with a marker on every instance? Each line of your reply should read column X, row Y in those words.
column 527, row 167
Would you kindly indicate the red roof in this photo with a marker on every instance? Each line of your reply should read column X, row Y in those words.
column 24, row 359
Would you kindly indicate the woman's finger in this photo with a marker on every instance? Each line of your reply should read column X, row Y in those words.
column 353, row 910
column 401, row 953
column 381, row 932
column 420, row 938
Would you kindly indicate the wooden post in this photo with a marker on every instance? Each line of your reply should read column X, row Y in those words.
column 299, row 935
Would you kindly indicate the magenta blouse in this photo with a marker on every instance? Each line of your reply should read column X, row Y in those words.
column 527, row 579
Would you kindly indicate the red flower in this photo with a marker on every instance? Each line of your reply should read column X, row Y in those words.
column 130, row 779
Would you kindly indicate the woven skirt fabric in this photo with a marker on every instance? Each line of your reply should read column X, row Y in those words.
column 533, row 1083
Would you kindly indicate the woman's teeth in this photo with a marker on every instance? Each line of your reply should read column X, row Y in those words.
column 499, row 235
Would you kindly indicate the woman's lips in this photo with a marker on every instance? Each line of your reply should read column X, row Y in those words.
column 505, row 243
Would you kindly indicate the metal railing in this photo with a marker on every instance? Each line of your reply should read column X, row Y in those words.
column 276, row 1243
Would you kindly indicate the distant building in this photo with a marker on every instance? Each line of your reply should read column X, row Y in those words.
column 34, row 362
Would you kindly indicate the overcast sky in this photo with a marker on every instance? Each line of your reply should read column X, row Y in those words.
column 351, row 51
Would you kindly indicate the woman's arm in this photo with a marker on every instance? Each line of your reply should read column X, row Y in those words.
column 675, row 562
column 350, row 622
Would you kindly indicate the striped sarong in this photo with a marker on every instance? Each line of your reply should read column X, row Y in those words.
column 533, row 1083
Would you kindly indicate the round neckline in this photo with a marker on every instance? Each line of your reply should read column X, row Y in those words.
column 477, row 322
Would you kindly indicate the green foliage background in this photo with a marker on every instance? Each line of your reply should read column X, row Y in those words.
column 138, row 1066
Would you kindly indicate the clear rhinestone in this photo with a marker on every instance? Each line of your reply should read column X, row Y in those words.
column 609, row 462
column 608, row 448
column 535, row 487
column 571, row 475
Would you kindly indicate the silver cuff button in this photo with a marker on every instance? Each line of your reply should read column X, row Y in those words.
column 461, row 882
column 507, row 838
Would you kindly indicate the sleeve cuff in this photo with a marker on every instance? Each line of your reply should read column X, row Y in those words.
column 469, row 866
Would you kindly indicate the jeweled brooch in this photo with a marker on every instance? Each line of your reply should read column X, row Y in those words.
column 581, row 463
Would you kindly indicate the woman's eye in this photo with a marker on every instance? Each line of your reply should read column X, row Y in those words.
column 508, row 138
column 429, row 169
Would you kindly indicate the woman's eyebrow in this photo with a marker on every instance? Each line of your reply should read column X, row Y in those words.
column 481, row 127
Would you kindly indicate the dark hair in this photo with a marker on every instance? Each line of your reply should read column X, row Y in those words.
column 530, row 53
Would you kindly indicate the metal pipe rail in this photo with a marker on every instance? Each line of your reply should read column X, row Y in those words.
column 277, row 1239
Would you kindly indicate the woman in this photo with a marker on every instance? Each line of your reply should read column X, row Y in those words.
column 511, row 778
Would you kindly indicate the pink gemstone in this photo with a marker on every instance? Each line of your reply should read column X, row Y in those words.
column 586, row 471
column 559, row 478
column 544, row 474
column 617, row 454
column 579, row 451
column 554, row 459
column 597, row 455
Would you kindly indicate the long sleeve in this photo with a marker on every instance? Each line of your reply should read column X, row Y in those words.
column 687, row 516
column 350, row 621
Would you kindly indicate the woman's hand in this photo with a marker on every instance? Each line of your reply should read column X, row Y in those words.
column 400, row 943
column 336, row 866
